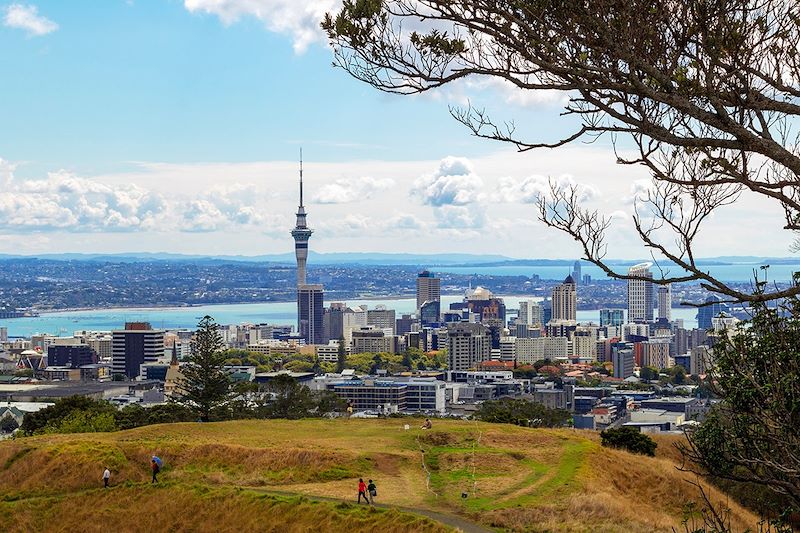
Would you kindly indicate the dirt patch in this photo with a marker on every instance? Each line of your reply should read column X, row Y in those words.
column 387, row 463
column 440, row 438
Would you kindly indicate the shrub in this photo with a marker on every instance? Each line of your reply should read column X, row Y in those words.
column 629, row 439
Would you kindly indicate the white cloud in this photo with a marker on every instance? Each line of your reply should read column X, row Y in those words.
column 65, row 201
column 453, row 183
column 299, row 19
column 344, row 191
column 459, row 217
column 529, row 190
column 26, row 17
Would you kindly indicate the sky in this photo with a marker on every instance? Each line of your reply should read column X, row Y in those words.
column 176, row 125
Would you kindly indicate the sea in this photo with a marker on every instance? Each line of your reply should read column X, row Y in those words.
column 65, row 323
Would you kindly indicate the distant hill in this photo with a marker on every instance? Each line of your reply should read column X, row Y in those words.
column 368, row 258
column 238, row 476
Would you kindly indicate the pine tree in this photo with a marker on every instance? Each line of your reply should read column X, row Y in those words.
column 205, row 386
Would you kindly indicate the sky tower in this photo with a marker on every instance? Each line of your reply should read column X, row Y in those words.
column 301, row 233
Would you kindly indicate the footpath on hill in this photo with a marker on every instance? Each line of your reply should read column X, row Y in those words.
column 453, row 521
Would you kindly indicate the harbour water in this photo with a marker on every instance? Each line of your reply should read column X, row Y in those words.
column 64, row 323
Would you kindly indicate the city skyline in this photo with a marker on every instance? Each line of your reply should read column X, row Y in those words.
column 185, row 122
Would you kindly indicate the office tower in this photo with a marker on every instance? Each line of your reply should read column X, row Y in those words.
column 371, row 339
column 530, row 314
column 71, row 355
column 622, row 359
column 612, row 317
column 665, row 302
column 428, row 288
column 565, row 300
column 713, row 308
column 333, row 321
column 301, row 234
column 655, row 353
column 382, row 318
column 576, row 272
column 405, row 324
column 680, row 341
column 468, row 345
column 483, row 305
column 640, row 294
column 309, row 313
column 429, row 313
column 3, row 334
column 133, row 346
column 547, row 311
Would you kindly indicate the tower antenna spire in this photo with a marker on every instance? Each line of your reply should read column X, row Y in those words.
column 301, row 176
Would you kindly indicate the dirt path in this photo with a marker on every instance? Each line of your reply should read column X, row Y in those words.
column 453, row 521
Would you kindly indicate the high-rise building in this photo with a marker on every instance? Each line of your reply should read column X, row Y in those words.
column 71, row 355
column 333, row 321
column 468, row 345
column 133, row 346
column 665, row 302
column 382, row 318
column 530, row 313
column 623, row 362
column 309, row 313
column 565, row 301
column 429, row 313
column 612, row 317
column 713, row 308
column 576, row 271
column 428, row 288
column 3, row 334
column 640, row 294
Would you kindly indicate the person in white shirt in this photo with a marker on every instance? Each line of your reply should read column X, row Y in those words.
column 106, row 477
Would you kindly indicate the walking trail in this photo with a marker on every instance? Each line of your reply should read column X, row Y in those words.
column 453, row 521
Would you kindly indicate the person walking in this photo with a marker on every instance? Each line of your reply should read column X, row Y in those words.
column 362, row 491
column 156, row 469
column 373, row 491
column 106, row 477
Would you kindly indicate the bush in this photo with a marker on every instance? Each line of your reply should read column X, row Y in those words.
column 51, row 417
column 83, row 422
column 629, row 439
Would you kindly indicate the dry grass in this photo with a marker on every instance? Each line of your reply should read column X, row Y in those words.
column 197, row 509
column 518, row 479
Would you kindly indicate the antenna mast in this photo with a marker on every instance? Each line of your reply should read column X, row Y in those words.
column 301, row 177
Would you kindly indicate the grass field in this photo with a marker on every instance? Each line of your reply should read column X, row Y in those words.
column 513, row 478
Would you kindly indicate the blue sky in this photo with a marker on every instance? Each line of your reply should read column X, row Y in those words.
column 174, row 125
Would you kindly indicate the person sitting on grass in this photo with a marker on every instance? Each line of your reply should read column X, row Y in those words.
column 427, row 424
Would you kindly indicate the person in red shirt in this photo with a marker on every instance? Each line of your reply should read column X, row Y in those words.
column 362, row 491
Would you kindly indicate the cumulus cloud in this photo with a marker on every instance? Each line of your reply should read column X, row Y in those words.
column 65, row 202
column 27, row 17
column 639, row 190
column 296, row 18
column 459, row 217
column 344, row 191
column 529, row 190
column 453, row 183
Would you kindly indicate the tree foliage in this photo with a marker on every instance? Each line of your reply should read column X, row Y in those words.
column 752, row 436
column 521, row 413
column 284, row 397
column 205, row 386
column 53, row 415
column 628, row 439
column 706, row 94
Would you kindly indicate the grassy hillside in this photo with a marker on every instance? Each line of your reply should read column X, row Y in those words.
column 514, row 478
